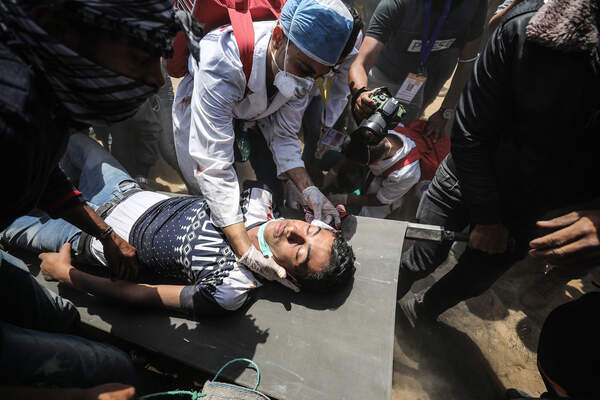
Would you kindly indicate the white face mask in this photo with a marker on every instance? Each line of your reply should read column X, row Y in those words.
column 289, row 85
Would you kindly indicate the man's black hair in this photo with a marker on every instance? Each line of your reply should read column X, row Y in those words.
column 356, row 28
column 339, row 271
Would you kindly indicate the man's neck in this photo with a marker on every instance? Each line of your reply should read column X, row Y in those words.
column 395, row 142
column 253, row 235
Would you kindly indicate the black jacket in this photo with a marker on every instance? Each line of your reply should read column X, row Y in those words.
column 32, row 140
column 527, row 134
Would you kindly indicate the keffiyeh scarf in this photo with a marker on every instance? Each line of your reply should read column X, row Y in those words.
column 91, row 93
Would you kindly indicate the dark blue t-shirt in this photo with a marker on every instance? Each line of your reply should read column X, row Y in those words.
column 176, row 238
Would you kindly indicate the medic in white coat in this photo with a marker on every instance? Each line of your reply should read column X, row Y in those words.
column 288, row 56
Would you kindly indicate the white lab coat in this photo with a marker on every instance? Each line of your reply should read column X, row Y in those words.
column 204, row 135
column 339, row 91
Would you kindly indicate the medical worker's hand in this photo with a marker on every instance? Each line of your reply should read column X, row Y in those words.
column 575, row 241
column 492, row 239
column 341, row 198
column 364, row 106
column 435, row 126
column 294, row 197
column 266, row 267
column 321, row 206
column 121, row 258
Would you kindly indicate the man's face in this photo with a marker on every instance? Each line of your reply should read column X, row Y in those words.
column 297, row 63
column 115, row 52
column 298, row 246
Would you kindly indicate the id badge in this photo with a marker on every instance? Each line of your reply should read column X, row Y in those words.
column 410, row 87
column 332, row 138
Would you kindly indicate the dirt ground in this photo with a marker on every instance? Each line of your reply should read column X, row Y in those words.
column 482, row 346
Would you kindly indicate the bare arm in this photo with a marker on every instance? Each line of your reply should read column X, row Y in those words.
column 300, row 178
column 366, row 58
column 58, row 266
column 121, row 256
column 358, row 76
column 462, row 73
column 437, row 123
column 238, row 238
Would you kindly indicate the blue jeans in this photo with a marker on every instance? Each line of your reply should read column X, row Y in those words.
column 100, row 178
column 36, row 347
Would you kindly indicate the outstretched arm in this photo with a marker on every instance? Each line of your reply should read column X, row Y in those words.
column 58, row 266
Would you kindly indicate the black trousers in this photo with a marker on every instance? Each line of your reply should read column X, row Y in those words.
column 261, row 160
column 475, row 272
column 568, row 350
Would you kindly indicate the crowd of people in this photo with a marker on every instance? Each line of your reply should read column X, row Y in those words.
column 506, row 158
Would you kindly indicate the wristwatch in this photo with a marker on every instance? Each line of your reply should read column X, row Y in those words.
column 447, row 113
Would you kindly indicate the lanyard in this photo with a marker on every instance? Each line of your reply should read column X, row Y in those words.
column 324, row 90
column 427, row 44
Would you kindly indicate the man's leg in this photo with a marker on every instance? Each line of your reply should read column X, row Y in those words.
column 39, row 234
column 135, row 140
column 34, row 358
column 475, row 272
column 28, row 304
column 261, row 160
column 100, row 174
column 311, row 126
column 440, row 205
column 166, row 140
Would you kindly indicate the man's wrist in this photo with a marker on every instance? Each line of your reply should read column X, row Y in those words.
column 356, row 94
column 300, row 177
column 105, row 234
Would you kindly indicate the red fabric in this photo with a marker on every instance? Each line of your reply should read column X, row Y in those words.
column 430, row 154
column 59, row 203
column 214, row 13
column 410, row 158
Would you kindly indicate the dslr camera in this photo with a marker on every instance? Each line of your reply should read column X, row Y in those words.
column 371, row 131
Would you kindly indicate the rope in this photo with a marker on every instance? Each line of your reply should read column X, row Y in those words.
column 242, row 359
column 193, row 395
column 197, row 395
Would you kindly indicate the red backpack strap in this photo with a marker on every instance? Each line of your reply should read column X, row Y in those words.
column 243, row 30
column 412, row 156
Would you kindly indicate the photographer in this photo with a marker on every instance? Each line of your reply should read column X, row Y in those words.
column 393, row 55
column 393, row 171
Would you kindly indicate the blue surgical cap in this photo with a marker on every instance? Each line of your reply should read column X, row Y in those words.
column 319, row 28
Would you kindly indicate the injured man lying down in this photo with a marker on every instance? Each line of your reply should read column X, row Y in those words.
column 175, row 242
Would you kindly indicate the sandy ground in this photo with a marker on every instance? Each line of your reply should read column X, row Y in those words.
column 482, row 346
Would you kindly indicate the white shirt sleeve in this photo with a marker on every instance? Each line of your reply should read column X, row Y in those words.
column 280, row 130
column 396, row 184
column 218, row 84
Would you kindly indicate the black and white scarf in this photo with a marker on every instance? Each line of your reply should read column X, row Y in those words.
column 91, row 93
